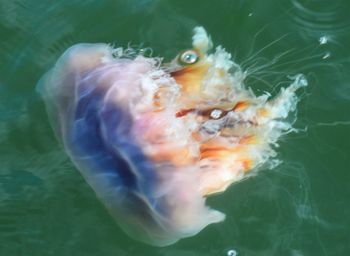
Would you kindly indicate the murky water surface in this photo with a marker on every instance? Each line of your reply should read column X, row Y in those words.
column 301, row 207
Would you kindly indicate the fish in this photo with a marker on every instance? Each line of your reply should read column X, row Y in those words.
column 154, row 139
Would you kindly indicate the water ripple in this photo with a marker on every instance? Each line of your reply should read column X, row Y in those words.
column 315, row 16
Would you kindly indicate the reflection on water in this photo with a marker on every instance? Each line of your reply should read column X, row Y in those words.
column 298, row 208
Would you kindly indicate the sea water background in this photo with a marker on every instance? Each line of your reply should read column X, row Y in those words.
column 301, row 207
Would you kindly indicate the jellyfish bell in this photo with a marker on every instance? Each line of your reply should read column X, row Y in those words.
column 154, row 139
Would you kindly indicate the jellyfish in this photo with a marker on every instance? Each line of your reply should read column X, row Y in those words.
column 155, row 139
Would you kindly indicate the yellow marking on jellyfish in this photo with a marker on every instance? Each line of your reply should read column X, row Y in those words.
column 190, row 78
column 177, row 156
column 250, row 139
column 263, row 112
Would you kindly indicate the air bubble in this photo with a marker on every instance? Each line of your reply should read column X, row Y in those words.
column 232, row 253
column 326, row 55
column 323, row 40
column 216, row 113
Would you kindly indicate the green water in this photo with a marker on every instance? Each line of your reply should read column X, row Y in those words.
column 299, row 208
